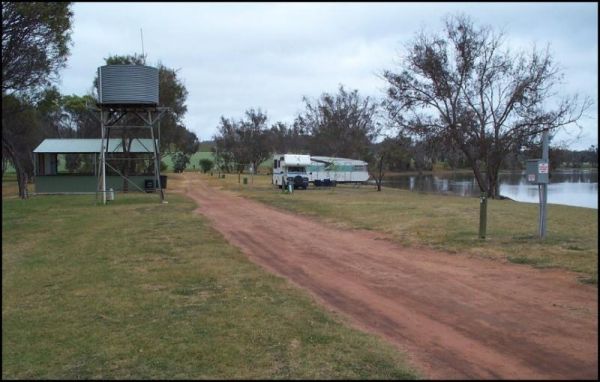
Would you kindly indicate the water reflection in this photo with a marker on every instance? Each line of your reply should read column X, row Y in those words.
column 574, row 187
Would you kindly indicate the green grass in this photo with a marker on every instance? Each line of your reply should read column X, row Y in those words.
column 10, row 187
column 140, row 290
column 445, row 222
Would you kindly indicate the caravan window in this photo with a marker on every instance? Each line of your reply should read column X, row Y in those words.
column 360, row 168
column 275, row 165
column 296, row 169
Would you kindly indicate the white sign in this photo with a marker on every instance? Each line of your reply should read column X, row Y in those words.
column 531, row 177
column 543, row 168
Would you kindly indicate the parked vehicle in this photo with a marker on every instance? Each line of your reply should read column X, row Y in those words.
column 299, row 170
column 331, row 170
column 290, row 169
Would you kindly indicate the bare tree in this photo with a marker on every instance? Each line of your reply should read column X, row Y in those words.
column 392, row 151
column 343, row 124
column 244, row 142
column 462, row 86
column 377, row 168
column 256, row 137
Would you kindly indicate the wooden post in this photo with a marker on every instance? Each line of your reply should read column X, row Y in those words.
column 482, row 215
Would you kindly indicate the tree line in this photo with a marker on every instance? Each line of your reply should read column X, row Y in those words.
column 458, row 96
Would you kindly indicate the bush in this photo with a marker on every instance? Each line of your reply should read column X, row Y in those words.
column 206, row 165
column 180, row 161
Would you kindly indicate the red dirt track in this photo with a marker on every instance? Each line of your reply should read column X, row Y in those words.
column 457, row 317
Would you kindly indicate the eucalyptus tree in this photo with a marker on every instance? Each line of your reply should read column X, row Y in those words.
column 343, row 125
column 35, row 46
column 288, row 139
column 464, row 86
column 242, row 143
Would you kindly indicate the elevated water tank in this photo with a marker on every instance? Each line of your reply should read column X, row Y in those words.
column 128, row 85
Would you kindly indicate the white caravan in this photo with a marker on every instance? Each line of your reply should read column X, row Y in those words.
column 290, row 169
column 340, row 170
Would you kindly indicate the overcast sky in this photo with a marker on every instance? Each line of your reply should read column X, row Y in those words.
column 236, row 56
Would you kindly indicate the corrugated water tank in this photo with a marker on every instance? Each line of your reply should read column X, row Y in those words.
column 128, row 85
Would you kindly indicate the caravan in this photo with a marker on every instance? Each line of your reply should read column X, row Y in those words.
column 338, row 170
column 299, row 170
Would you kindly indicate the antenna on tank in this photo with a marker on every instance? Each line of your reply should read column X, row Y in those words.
column 142, row 36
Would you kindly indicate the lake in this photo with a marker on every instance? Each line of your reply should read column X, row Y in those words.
column 569, row 187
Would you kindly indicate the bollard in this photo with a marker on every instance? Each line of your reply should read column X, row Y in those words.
column 482, row 215
column 290, row 188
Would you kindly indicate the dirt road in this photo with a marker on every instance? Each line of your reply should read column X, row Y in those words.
column 455, row 316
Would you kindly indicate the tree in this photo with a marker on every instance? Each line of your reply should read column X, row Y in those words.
column 5, row 162
column 460, row 86
column 223, row 159
column 391, row 153
column 78, row 121
column 180, row 161
column 284, row 139
column 35, row 46
column 377, row 167
column 255, row 137
column 21, row 133
column 205, row 164
column 400, row 150
column 242, row 143
column 342, row 125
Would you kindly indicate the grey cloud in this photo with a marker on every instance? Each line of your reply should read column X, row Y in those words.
column 233, row 56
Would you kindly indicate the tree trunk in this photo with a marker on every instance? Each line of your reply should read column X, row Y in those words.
column 4, row 166
column 492, row 181
column 21, row 172
column 479, row 177
column 380, row 175
column 21, row 180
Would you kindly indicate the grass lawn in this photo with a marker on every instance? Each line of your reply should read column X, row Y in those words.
column 10, row 188
column 449, row 223
column 140, row 290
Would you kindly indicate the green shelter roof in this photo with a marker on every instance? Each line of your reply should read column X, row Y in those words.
column 61, row 146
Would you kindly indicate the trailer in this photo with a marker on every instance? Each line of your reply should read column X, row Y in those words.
column 299, row 170
column 324, row 170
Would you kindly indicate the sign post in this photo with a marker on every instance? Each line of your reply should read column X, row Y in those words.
column 538, row 171
column 544, row 169
column 482, row 215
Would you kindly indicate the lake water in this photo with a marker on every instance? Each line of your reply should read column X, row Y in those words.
column 573, row 187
